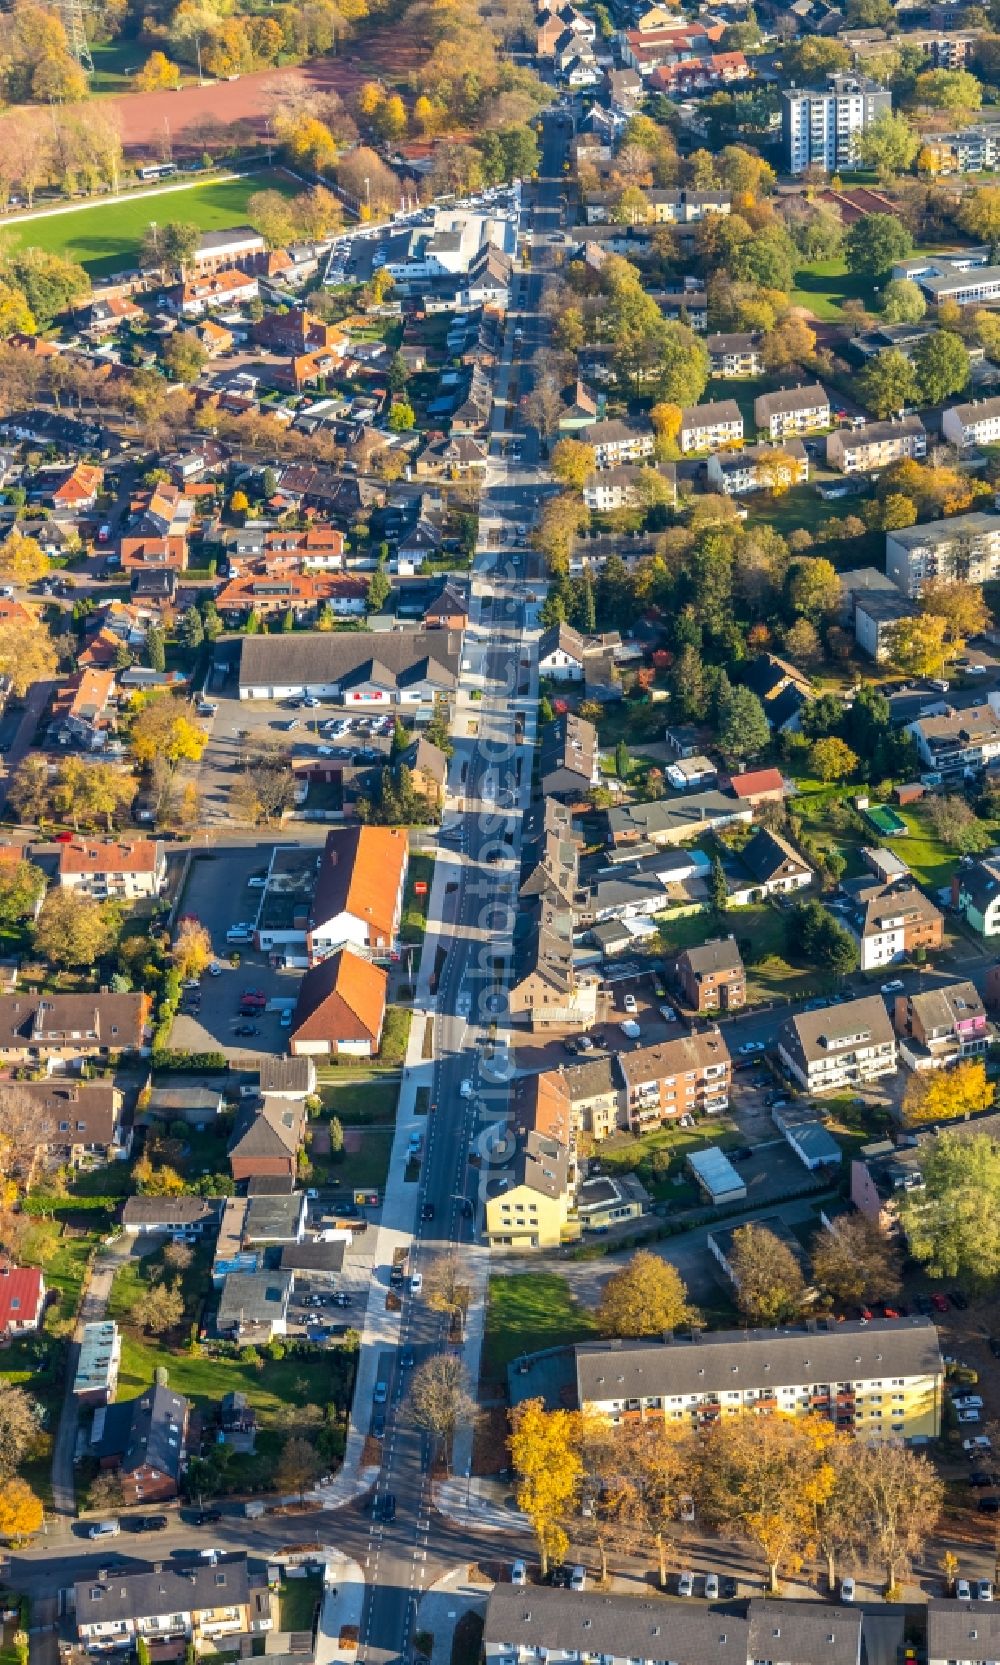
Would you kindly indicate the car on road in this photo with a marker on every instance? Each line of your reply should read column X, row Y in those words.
column 148, row 1523
column 630, row 1003
column 340, row 1298
column 578, row 1578
column 958, row 1299
column 685, row 1584
column 246, row 1029
column 989, row 1505
column 207, row 1517
column 519, row 1573
column 427, row 1211
column 748, row 1048
column 847, row 1589
column 994, row 1346
column 668, row 1014
column 104, row 1529
column 406, row 1358
column 711, row 1586
column 216, row 969
column 416, row 1283
column 285, row 1020
column 466, row 1090
column 310, row 702
column 962, row 1590
column 896, row 986
column 630, row 1029
column 982, row 1477
column 939, row 1302
column 257, row 881
column 378, row 1425
column 967, row 1414
column 977, row 1445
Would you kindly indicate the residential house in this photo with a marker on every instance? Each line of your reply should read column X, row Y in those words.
column 221, row 289
column 735, row 354
column 759, row 786
column 107, row 314
column 529, row 1197
column 614, row 442
column 168, row 1216
column 595, row 1098
column 142, row 1441
column 266, row 1139
column 712, row 976
column 685, row 1076
column 214, row 337
column 966, row 1630
column 711, row 427
column 792, row 411
column 583, row 410
column 976, row 894
column 781, row 688
column 877, row 616
column 95, row 1381
column 548, row 989
column 674, row 820
column 112, row 869
column 253, row 1306
column 76, row 489
column 766, row 865
column 358, row 900
column 287, row 1078
column 218, row 250
column 977, row 423
column 568, row 757
column 340, row 1010
column 630, row 486
column 942, row 1026
column 563, row 651
column 963, row 549
column 868, row 446
column 78, row 1122
column 275, row 1217
column 66, row 1028
column 758, row 468
column 84, row 708
column 877, row 1379
column 805, row 1133
column 181, row 1100
column 412, row 669
column 22, row 1299
column 958, row 744
column 205, row 1602
column 428, row 766
column 839, row 1046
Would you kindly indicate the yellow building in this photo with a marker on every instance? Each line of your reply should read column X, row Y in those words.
column 529, row 1196
column 879, row 1380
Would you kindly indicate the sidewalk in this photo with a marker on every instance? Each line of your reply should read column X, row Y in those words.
column 475, row 1502
column 343, row 1604
column 443, row 1607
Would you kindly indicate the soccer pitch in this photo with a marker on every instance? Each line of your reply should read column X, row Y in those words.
column 107, row 237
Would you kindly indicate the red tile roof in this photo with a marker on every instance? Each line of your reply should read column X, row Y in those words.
column 22, row 1296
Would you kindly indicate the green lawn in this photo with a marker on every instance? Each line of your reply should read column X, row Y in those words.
column 760, row 933
column 650, row 1153
column 297, row 1602
column 112, row 61
column 107, row 237
column 529, row 1311
column 824, row 286
column 827, row 818
column 64, row 1262
column 37, row 1363
column 313, row 1379
column 363, row 1169
column 414, row 921
column 357, row 1103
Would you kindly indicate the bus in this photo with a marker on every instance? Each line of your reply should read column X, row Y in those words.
column 156, row 170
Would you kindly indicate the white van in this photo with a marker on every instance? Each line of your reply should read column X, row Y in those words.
column 104, row 1529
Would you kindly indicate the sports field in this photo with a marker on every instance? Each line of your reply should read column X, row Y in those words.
column 107, row 237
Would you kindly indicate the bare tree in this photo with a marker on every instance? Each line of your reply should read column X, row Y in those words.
column 902, row 1500
column 445, row 1287
column 440, row 1399
column 25, row 1133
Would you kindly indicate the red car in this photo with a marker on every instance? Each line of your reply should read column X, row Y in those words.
column 890, row 1312
column 253, row 997
column 866, row 1313
column 939, row 1303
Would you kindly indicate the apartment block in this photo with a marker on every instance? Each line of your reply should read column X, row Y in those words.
column 839, row 1046
column 712, row 976
column 976, row 423
column 879, row 1380
column 965, row 549
column 889, row 921
column 957, row 744
column 819, row 126
column 791, row 411
column 674, row 1078
column 758, row 468
column 942, row 1026
column 168, row 1606
column 737, row 353
column 875, row 445
column 711, row 427
column 976, row 894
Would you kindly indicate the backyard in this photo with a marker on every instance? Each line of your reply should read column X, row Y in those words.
column 108, row 237
column 529, row 1311
column 760, row 933
column 824, row 286
column 298, row 1599
column 658, row 1156
column 831, row 822
column 271, row 1385
column 414, row 921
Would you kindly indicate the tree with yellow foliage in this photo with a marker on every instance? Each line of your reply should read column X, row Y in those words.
column 573, row 462
column 192, row 950
column 763, row 1478
column 544, row 1449
column 646, row 1296
column 916, row 645
column 307, row 141
column 27, row 653
column 960, row 605
column 370, row 99
column 427, row 116
column 21, row 1511
column 391, row 119
column 158, row 74
column 948, row 1094
column 22, row 560
column 659, row 1462
column 161, row 728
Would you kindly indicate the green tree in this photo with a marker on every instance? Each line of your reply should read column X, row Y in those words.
column 155, row 648
column 74, row 930
column 953, row 90
column 401, row 417
column 902, row 302
column 22, row 887
column 820, row 939
column 874, row 243
column 184, row 356
column 888, row 383
column 814, row 588
column 941, row 362
column 683, row 366
column 191, row 628
column 832, row 759
column 889, row 145
column 49, row 283
column 770, row 1287
column 743, row 727
column 623, row 763
column 718, row 890
column 953, row 1225
column 379, row 590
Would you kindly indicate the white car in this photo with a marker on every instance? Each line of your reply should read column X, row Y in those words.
column 466, row 1090
column 310, row 702
column 976, row 1445
column 847, row 1589
column 984, row 1589
column 962, row 1590
column 258, row 882
column 324, row 751
column 630, row 1003
column 519, row 1573
column 967, row 1402
column 978, row 670
column 895, row 987
column 685, row 1584
column 967, row 1414
column 711, row 1586
column 416, row 1283
column 630, row 1029
column 578, row 1578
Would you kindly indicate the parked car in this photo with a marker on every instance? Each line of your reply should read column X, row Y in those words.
column 847, row 1589
column 989, row 1505
column 685, row 1584
column 896, row 986
column 578, row 1578
column 711, row 1586
column 962, row 1590
column 207, row 1517
column 939, row 1302
column 958, row 1299
column 630, row 1003
column 984, row 1589
column 149, row 1523
column 977, row 1445
column 967, row 1414
column 519, row 1573
column 381, row 1393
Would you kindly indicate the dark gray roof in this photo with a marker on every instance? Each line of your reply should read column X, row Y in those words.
column 274, row 1219
column 148, row 1430
column 809, row 1036
column 589, row 1080
column 759, row 1358
column 311, row 1256
column 619, row 1626
column 791, row 399
column 167, row 1211
column 171, row 1589
column 253, row 1298
column 331, row 656
column 766, row 852
column 968, row 1630
column 810, row 1632
column 721, row 954
column 286, row 1075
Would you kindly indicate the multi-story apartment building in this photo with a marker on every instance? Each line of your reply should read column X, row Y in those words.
column 976, row 894
column 675, row 1078
column 972, row 150
column 876, row 444
column 105, row 868
column 975, row 423
column 957, row 744
column 965, row 549
column 758, row 468
column 358, row 900
column 735, row 354
column 712, row 976
column 791, row 411
column 839, row 1045
column 966, row 276
column 595, row 1098
column 615, row 442
column 711, row 427
column 942, row 1026
column 889, row 920
column 529, row 1198
column 877, row 615
column 201, row 1602
column 819, row 126
column 880, row 1380
column 962, row 1631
